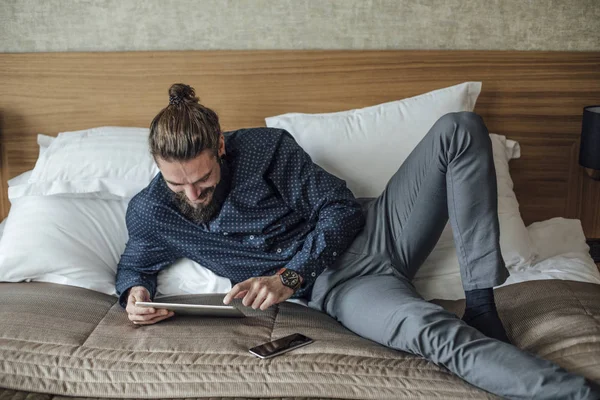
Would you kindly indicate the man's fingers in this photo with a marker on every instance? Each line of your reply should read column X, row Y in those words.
column 235, row 290
column 241, row 294
column 146, row 317
column 140, row 318
column 144, row 310
column 140, row 310
column 154, row 320
column 260, row 297
column 250, row 296
column 133, row 309
column 270, row 300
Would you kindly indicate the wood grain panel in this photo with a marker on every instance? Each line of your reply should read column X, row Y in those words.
column 533, row 97
column 543, row 161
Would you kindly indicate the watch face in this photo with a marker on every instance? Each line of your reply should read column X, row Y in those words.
column 290, row 278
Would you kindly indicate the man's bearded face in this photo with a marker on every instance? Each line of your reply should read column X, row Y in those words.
column 193, row 184
column 198, row 212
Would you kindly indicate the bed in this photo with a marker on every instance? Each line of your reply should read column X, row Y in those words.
column 60, row 339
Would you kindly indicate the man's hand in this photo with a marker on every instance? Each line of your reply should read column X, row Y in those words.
column 262, row 291
column 144, row 315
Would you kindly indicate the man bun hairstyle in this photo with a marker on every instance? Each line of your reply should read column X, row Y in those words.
column 184, row 128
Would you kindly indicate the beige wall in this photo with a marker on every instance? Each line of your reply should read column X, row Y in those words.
column 120, row 25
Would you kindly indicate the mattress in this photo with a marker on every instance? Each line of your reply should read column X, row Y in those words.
column 58, row 340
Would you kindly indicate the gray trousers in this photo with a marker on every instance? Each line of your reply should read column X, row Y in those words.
column 449, row 175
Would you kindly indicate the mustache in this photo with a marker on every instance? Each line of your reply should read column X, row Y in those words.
column 198, row 213
column 181, row 196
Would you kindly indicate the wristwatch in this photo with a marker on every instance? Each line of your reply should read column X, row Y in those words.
column 290, row 278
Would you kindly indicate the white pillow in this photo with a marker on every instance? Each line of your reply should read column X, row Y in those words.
column 563, row 253
column 60, row 240
column 366, row 146
column 186, row 276
column 105, row 162
column 556, row 236
column 63, row 240
column 44, row 141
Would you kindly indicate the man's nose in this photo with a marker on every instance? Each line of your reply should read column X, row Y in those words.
column 192, row 193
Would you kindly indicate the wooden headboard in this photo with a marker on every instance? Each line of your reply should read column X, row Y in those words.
column 535, row 98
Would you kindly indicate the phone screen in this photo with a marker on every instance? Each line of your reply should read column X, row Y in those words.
column 281, row 345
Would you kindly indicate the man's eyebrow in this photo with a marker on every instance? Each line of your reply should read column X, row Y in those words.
column 205, row 177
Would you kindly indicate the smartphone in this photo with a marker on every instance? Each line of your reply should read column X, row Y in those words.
column 280, row 346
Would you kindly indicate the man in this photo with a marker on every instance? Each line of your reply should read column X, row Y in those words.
column 250, row 205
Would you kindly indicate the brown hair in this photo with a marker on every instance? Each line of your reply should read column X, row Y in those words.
column 184, row 128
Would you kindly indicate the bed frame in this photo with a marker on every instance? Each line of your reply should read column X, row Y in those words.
column 535, row 98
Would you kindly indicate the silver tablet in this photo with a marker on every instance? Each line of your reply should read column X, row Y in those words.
column 195, row 309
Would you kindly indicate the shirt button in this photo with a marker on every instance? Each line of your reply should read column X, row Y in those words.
column 335, row 253
column 251, row 237
column 225, row 233
column 279, row 250
column 313, row 274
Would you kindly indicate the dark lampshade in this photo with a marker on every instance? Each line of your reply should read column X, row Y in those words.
column 589, row 150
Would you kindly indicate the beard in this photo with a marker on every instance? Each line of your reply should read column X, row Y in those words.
column 200, row 213
column 204, row 213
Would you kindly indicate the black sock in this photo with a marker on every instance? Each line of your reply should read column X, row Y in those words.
column 481, row 313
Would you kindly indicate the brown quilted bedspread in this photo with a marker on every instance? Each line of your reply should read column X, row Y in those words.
column 60, row 340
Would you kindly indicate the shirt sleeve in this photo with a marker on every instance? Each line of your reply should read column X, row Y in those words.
column 318, row 196
column 143, row 258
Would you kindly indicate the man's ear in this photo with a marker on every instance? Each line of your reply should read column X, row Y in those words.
column 221, row 145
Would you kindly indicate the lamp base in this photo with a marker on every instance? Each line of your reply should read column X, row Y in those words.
column 594, row 244
column 593, row 173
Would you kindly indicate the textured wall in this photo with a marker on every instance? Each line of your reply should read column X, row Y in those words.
column 119, row 25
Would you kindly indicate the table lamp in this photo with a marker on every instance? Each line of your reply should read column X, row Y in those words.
column 589, row 149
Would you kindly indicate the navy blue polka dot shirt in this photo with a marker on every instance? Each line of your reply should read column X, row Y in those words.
column 279, row 210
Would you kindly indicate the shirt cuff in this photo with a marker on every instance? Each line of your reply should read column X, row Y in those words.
column 125, row 293
column 309, row 274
